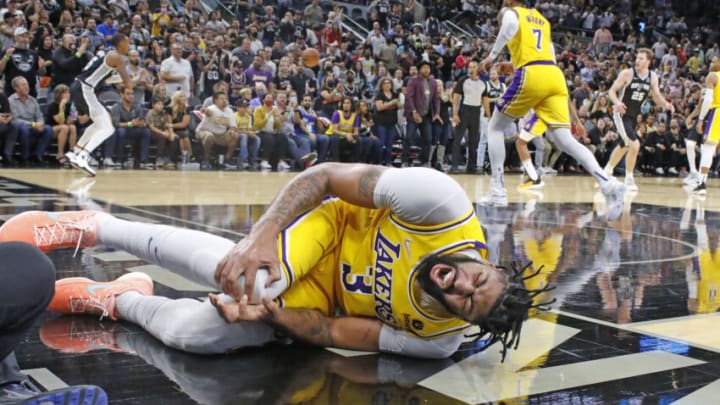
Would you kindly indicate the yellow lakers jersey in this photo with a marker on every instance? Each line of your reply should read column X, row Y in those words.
column 344, row 125
column 378, row 260
column 244, row 123
column 532, row 41
column 363, row 261
column 716, row 92
column 708, row 262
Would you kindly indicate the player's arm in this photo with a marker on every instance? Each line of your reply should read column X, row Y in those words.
column 403, row 191
column 657, row 95
column 355, row 333
column 115, row 60
column 509, row 25
column 707, row 94
column 575, row 118
column 622, row 80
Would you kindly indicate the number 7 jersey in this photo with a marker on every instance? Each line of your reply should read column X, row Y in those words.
column 532, row 42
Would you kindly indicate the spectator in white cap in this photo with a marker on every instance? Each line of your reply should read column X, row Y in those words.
column 20, row 60
column 12, row 7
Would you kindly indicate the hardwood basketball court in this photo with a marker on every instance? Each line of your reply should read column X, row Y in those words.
column 635, row 318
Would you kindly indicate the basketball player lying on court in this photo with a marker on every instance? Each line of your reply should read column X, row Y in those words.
column 399, row 252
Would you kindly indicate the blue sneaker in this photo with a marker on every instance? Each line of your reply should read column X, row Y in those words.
column 26, row 394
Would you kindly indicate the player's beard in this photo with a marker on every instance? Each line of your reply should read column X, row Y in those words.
column 428, row 294
column 22, row 45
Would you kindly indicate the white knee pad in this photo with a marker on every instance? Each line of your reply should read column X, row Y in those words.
column 527, row 136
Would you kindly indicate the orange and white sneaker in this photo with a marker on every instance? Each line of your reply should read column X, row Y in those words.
column 52, row 230
column 80, row 295
column 79, row 334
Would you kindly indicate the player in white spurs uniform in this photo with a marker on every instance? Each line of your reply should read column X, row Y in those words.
column 102, row 66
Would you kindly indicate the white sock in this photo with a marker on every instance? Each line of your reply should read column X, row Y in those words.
column 530, row 169
column 690, row 150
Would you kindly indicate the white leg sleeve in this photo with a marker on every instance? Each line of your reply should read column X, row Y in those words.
column 707, row 154
column 101, row 128
column 190, row 325
column 690, row 150
column 191, row 254
column 496, row 141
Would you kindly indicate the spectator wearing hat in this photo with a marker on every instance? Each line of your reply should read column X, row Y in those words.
column 20, row 60
column 248, row 140
column 68, row 61
column 422, row 106
column 7, row 29
column 11, row 10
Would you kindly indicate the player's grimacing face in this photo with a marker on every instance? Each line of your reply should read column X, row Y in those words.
column 470, row 289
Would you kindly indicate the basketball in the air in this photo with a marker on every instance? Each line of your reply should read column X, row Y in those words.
column 505, row 68
column 311, row 57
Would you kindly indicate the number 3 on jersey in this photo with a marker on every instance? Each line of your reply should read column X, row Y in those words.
column 356, row 283
column 538, row 38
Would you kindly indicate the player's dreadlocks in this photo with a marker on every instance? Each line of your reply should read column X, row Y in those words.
column 505, row 319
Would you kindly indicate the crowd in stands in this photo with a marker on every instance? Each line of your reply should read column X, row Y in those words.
column 229, row 88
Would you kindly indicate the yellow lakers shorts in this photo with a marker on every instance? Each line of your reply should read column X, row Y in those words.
column 540, row 86
column 712, row 127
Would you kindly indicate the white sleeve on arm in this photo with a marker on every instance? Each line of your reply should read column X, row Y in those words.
column 400, row 342
column 706, row 100
column 508, row 29
column 421, row 196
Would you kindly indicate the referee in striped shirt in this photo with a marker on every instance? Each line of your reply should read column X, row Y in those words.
column 467, row 104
